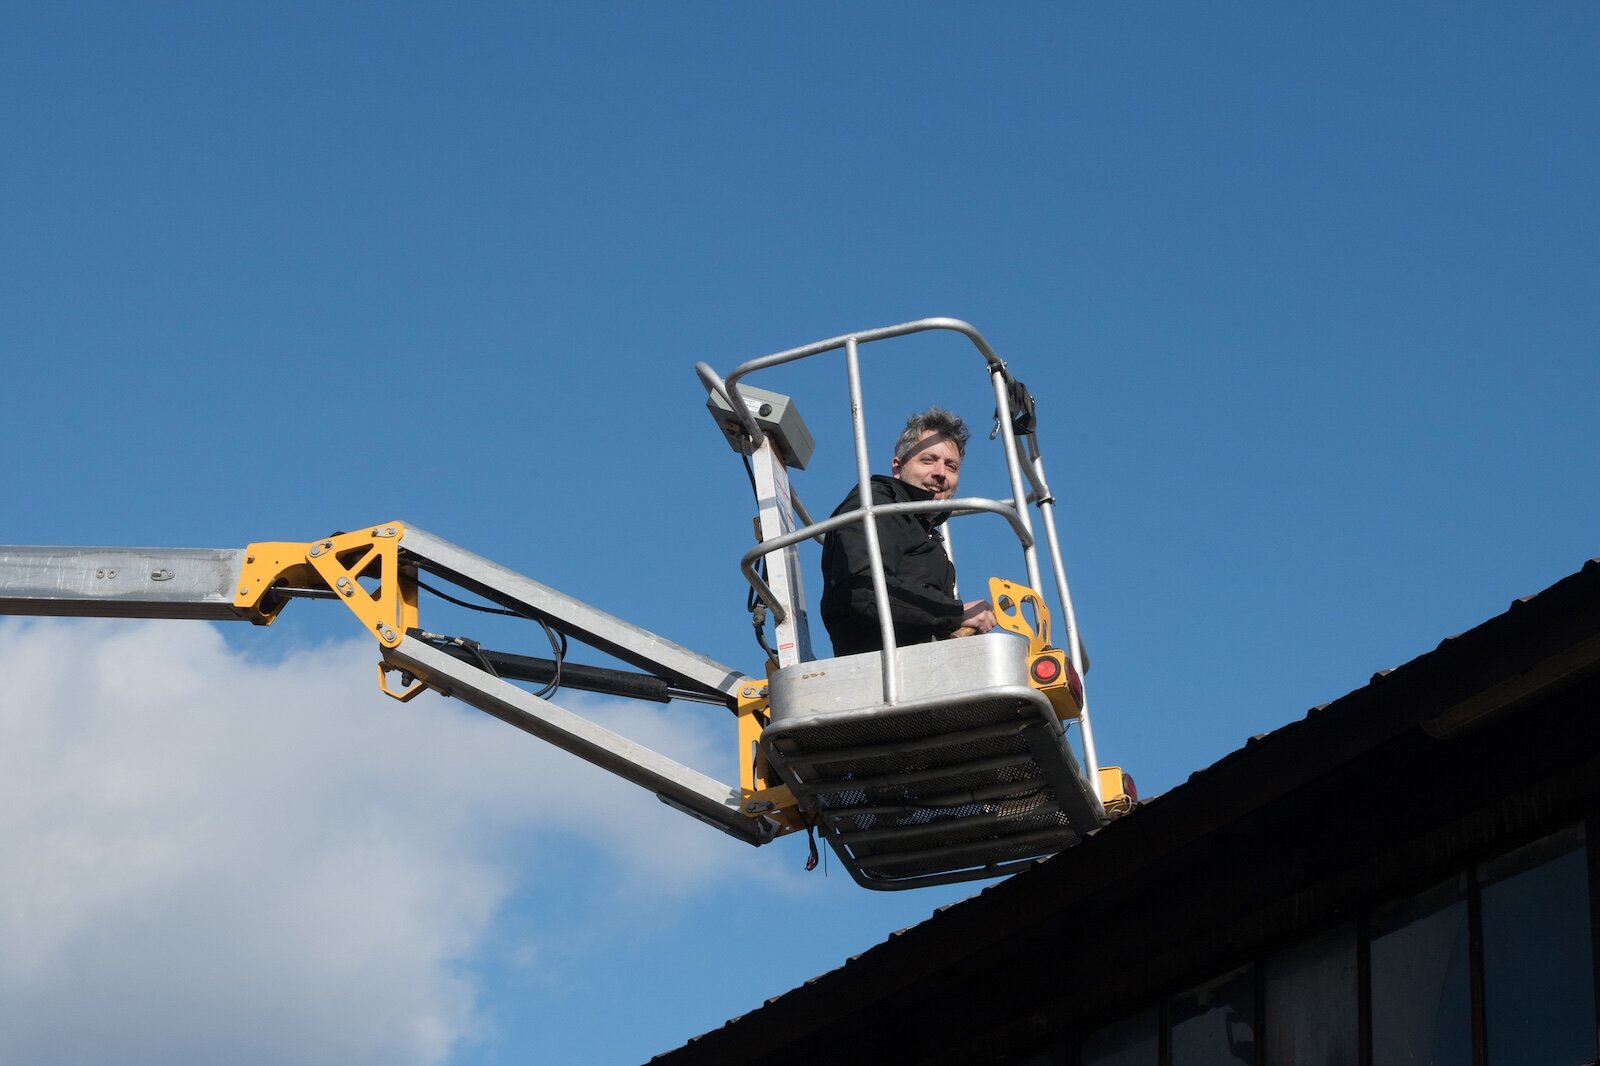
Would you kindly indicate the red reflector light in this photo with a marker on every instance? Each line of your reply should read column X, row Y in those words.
column 1045, row 670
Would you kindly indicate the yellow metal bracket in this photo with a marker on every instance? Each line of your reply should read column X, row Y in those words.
column 413, row 688
column 761, row 793
column 1008, row 599
column 362, row 568
column 1050, row 670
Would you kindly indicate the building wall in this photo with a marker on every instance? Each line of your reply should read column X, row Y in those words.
column 1492, row 965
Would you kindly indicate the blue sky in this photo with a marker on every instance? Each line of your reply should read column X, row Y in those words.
column 1310, row 298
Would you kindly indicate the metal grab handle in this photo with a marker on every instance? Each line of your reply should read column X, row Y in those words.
column 729, row 389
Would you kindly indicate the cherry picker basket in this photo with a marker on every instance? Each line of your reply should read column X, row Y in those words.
column 966, row 776
column 931, row 763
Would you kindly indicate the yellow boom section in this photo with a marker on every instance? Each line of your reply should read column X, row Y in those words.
column 361, row 568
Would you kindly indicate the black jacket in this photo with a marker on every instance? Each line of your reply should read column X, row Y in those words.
column 918, row 572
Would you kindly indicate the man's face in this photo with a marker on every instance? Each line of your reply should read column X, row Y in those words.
column 933, row 464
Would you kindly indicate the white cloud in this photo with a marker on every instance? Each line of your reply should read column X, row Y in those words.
column 209, row 858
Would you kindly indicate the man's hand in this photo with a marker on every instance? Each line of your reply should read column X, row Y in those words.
column 977, row 616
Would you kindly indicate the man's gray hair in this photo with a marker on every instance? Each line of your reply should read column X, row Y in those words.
column 933, row 420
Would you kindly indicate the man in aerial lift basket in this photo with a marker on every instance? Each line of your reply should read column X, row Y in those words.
column 917, row 569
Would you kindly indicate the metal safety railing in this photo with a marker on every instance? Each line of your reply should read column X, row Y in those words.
column 1020, row 469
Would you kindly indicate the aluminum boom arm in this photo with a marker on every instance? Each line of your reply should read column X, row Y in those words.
column 633, row 645
column 673, row 783
column 121, row 582
column 216, row 585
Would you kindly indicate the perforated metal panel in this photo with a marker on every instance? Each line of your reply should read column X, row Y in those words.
column 966, row 776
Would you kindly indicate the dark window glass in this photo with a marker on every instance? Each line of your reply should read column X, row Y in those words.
column 1215, row 1025
column 1421, row 1003
column 1311, row 1002
column 1130, row 1042
column 1538, row 976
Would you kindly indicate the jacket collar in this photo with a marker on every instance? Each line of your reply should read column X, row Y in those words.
column 909, row 492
